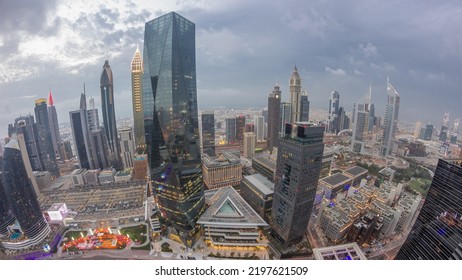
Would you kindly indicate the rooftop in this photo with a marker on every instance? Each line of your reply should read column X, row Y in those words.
column 261, row 183
column 228, row 208
column 336, row 179
column 355, row 171
column 265, row 160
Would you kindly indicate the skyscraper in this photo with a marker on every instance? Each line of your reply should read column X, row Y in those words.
column 21, row 195
column 137, row 98
column 81, row 134
column 360, row 127
column 437, row 232
column 259, row 127
column 274, row 121
column 6, row 214
column 230, row 130
column 444, row 128
column 38, row 143
column 297, row 173
column 109, row 119
column 127, row 145
column 208, row 133
column 240, row 128
column 54, row 128
column 45, row 139
column 249, row 144
column 171, row 122
column 390, row 121
column 333, row 119
column 93, row 116
column 304, row 107
column 285, row 113
column 295, row 87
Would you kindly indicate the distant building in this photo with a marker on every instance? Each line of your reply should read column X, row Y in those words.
column 230, row 130
column 208, row 133
column 127, row 146
column 249, row 144
column 304, row 107
column 68, row 150
column 240, row 128
column 426, row 132
column 137, row 101
column 333, row 119
column 295, row 88
column 107, row 175
column 80, row 132
column 222, row 171
column 259, row 128
column 360, row 127
column 390, row 121
column 285, row 114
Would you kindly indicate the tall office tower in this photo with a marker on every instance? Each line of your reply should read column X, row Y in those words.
column 109, row 119
column 344, row 120
column 127, row 146
column 426, row 132
column 45, row 143
column 285, row 113
column 304, row 107
column 6, row 214
column 240, row 128
column 274, row 119
column 372, row 117
column 92, row 116
column 38, row 144
column 295, row 87
column 249, row 144
column 297, row 172
column 137, row 97
column 208, row 133
column 54, row 128
column 80, row 131
column 417, row 129
column 21, row 195
column 455, row 131
column 444, row 128
column 390, row 121
column 230, row 130
column 360, row 127
column 250, row 127
column 99, row 149
column 259, row 127
column 437, row 232
column 333, row 119
column 68, row 150
column 171, row 122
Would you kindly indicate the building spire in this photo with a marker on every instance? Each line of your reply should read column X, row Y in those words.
column 50, row 99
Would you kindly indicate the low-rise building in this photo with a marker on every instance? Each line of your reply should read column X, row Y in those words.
column 335, row 186
column 348, row 251
column 43, row 179
column 91, row 176
column 140, row 168
column 265, row 164
column 107, row 175
column 224, row 170
column 78, row 177
column 356, row 173
column 124, row 175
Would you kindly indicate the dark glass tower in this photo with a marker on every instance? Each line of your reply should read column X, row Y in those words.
column 230, row 130
column 297, row 173
column 208, row 134
column 6, row 215
column 333, row 123
column 240, row 128
column 109, row 119
column 54, row 128
column 304, row 107
column 81, row 134
column 171, row 122
column 274, row 119
column 437, row 232
column 21, row 195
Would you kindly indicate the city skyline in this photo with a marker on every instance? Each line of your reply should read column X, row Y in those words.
column 417, row 47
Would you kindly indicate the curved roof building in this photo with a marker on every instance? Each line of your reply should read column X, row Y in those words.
column 21, row 195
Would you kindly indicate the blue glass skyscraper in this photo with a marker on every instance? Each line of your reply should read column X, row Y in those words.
column 171, row 122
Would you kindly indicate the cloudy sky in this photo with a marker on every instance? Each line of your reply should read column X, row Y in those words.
column 243, row 48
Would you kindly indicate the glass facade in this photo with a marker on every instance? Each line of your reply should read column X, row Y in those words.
column 171, row 122
column 21, row 195
column 297, row 173
column 6, row 215
column 208, row 134
column 107, row 104
column 437, row 232
column 390, row 121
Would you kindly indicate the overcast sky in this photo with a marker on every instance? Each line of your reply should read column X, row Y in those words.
column 243, row 48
